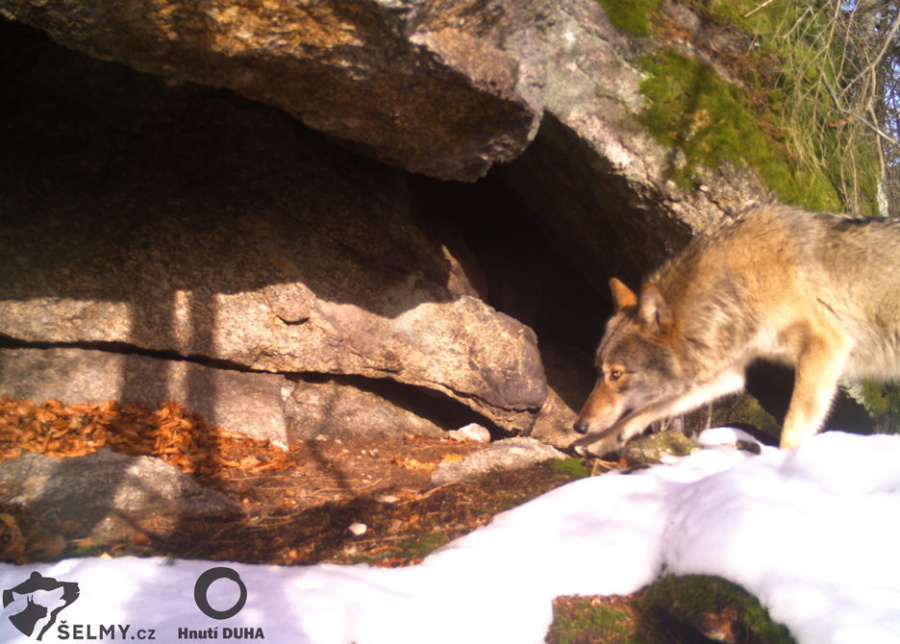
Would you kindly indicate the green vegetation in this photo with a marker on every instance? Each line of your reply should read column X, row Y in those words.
column 692, row 110
column 748, row 409
column 686, row 600
column 881, row 401
column 694, row 608
column 421, row 546
column 631, row 16
column 804, row 120
column 584, row 620
column 571, row 467
column 825, row 94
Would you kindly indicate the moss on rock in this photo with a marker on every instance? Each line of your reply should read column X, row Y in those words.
column 694, row 608
column 692, row 110
column 714, row 607
column 652, row 449
column 632, row 17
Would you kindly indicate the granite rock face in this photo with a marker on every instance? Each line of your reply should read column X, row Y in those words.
column 187, row 223
column 420, row 85
column 154, row 215
column 212, row 203
column 448, row 89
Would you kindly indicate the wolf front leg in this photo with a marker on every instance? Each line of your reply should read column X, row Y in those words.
column 819, row 368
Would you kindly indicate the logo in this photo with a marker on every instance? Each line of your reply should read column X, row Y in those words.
column 205, row 580
column 34, row 605
column 38, row 599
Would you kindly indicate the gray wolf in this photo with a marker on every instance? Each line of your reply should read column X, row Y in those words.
column 816, row 291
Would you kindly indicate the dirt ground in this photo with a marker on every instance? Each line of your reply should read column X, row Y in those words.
column 298, row 504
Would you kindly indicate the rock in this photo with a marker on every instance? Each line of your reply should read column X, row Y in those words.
column 445, row 89
column 554, row 424
column 260, row 405
column 247, row 403
column 692, row 608
column 176, row 219
column 358, row 529
column 106, row 488
column 594, row 175
column 472, row 432
column 354, row 408
column 506, row 454
column 569, row 382
column 238, row 240
column 420, row 85
column 656, row 448
column 712, row 609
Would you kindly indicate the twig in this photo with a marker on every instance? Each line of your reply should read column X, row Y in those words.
column 759, row 7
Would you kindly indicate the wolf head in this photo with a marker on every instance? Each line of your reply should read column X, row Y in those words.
column 635, row 363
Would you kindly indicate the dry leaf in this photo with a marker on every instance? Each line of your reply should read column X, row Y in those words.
column 46, row 545
column 414, row 464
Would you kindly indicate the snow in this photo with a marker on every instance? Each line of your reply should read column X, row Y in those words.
column 813, row 532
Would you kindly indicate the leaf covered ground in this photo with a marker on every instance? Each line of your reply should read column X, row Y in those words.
column 298, row 503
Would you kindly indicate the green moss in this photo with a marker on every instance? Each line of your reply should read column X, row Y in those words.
column 734, row 13
column 686, row 600
column 571, row 467
column 654, row 448
column 674, row 609
column 696, row 113
column 421, row 546
column 631, row 16
column 578, row 620
column 601, row 621
column 807, row 59
column 746, row 409
column 882, row 402
column 794, row 137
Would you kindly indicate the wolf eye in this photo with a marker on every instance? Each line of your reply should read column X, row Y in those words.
column 615, row 374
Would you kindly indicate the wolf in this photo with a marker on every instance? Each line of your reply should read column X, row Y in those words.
column 819, row 292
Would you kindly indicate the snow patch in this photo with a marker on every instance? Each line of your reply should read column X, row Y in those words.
column 812, row 532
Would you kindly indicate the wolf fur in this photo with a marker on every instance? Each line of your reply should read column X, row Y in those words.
column 816, row 291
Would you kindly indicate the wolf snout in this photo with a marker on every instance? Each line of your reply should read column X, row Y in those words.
column 581, row 426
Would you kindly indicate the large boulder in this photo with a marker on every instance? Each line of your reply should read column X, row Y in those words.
column 188, row 223
column 210, row 229
column 107, row 491
column 595, row 175
column 420, row 85
column 446, row 89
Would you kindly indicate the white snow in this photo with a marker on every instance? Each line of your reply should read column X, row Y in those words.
column 814, row 533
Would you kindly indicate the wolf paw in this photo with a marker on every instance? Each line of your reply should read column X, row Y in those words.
column 597, row 449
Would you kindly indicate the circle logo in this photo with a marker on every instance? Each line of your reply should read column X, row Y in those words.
column 201, row 587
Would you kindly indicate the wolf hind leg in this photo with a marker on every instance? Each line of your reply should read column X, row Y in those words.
column 819, row 369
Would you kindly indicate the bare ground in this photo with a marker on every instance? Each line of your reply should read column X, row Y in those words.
column 297, row 504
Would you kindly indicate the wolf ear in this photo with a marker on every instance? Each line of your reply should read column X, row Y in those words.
column 622, row 295
column 654, row 312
